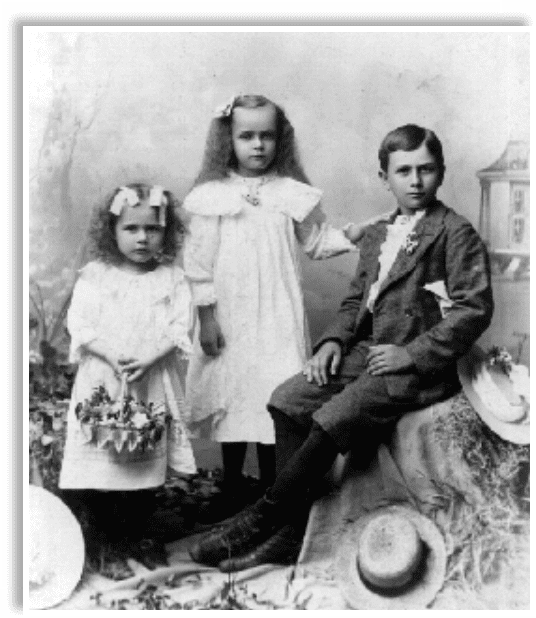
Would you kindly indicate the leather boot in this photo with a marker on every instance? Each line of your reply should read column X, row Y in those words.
column 242, row 533
column 283, row 547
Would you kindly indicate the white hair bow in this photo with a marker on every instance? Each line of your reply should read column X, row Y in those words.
column 125, row 197
column 223, row 111
column 128, row 197
column 159, row 200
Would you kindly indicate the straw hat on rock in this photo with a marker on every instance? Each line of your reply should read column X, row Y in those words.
column 500, row 398
column 391, row 558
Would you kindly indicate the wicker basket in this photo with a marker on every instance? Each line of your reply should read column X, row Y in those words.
column 124, row 426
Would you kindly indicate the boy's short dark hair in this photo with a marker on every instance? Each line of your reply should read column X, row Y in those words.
column 410, row 137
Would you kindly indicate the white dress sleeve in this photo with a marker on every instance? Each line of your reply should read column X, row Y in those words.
column 84, row 311
column 178, row 316
column 200, row 250
column 319, row 239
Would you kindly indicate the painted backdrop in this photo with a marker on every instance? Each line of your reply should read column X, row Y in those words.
column 107, row 108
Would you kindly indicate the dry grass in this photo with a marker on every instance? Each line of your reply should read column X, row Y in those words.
column 482, row 528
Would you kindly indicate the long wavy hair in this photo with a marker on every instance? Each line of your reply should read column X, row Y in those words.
column 102, row 239
column 219, row 157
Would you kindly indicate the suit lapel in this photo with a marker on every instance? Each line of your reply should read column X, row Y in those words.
column 370, row 253
column 425, row 233
column 368, row 265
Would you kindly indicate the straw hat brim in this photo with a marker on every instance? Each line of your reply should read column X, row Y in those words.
column 55, row 549
column 468, row 367
column 421, row 594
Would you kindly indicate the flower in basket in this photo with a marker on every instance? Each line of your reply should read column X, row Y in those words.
column 122, row 423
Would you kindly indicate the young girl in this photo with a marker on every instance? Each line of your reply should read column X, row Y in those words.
column 251, row 206
column 129, row 316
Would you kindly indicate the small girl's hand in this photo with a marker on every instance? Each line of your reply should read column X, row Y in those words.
column 135, row 368
column 117, row 364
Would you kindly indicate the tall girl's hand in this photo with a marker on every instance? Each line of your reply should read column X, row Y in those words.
column 211, row 337
column 354, row 232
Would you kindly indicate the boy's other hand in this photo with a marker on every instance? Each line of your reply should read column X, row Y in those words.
column 324, row 363
column 387, row 358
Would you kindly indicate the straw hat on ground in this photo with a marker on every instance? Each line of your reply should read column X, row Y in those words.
column 391, row 558
column 502, row 401
column 55, row 549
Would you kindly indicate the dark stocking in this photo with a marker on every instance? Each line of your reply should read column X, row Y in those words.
column 233, row 456
column 266, row 459
column 304, row 468
column 289, row 436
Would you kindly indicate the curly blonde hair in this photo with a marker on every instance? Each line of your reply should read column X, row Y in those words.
column 219, row 156
column 102, row 239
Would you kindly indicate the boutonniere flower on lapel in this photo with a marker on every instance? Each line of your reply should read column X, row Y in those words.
column 411, row 242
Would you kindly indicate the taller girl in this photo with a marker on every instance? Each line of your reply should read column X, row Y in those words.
column 251, row 206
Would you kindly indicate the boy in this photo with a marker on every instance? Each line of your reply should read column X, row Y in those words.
column 392, row 349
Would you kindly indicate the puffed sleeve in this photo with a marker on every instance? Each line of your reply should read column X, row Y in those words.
column 180, row 316
column 319, row 239
column 200, row 250
column 84, row 311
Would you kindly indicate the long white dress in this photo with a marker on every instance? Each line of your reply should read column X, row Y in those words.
column 241, row 253
column 136, row 313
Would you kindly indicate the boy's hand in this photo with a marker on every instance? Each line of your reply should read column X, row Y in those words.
column 211, row 337
column 387, row 358
column 328, row 356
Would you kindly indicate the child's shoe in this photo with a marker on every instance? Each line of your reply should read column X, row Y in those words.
column 283, row 547
column 241, row 534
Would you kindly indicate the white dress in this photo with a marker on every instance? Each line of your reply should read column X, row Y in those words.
column 136, row 313
column 241, row 253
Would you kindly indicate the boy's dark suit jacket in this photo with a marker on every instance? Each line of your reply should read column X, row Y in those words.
column 405, row 314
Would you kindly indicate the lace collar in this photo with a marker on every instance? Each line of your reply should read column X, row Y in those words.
column 405, row 220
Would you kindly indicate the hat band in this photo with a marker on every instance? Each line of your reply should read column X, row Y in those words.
column 415, row 576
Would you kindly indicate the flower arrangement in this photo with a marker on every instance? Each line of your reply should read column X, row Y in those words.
column 123, row 425
column 515, row 382
column 501, row 358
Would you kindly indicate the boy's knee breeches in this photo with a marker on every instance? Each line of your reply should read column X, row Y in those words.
column 353, row 410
